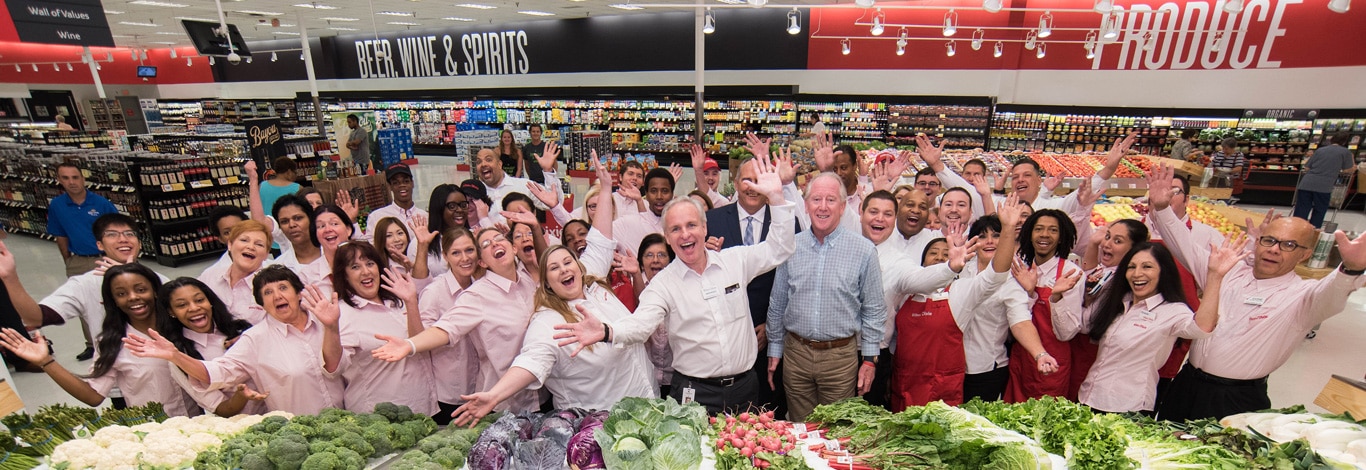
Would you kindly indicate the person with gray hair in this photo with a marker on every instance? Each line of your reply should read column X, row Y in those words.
column 702, row 300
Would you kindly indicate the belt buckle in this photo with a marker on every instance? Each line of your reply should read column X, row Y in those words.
column 728, row 381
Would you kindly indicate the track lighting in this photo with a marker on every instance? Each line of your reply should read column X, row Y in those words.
column 991, row 6
column 173, row 53
column 864, row 3
column 1039, row 51
column 1233, row 6
column 1104, row 7
column 211, row 61
column 1217, row 42
column 1340, row 6
column 1090, row 51
column 1031, row 39
column 144, row 54
column 134, row 54
column 248, row 59
column 17, row 69
column 709, row 22
column 109, row 56
column 301, row 56
column 35, row 67
column 1110, row 26
column 1091, row 43
column 844, row 46
column 977, row 39
column 274, row 57
column 950, row 23
column 68, row 67
column 99, row 67
column 757, row 3
column 1046, row 24
column 794, row 22
column 997, row 49
column 56, row 68
column 900, row 47
column 877, row 23
column 951, row 48
column 189, row 61
column 1149, row 42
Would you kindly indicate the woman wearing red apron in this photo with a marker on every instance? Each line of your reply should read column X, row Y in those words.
column 929, row 363
column 1043, row 237
column 1103, row 252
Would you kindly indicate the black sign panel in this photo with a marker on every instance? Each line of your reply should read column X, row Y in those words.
column 69, row 22
column 264, row 141
column 1287, row 114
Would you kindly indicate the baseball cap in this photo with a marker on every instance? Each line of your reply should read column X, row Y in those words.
column 397, row 169
column 710, row 164
column 474, row 189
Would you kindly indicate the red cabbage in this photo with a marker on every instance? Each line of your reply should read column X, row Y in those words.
column 584, row 453
column 540, row 454
column 488, row 455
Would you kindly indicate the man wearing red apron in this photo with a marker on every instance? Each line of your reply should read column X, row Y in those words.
column 1047, row 235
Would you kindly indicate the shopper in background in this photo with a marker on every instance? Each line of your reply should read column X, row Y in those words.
column 70, row 216
column 1229, row 162
column 1315, row 190
column 312, row 196
column 510, row 155
column 631, row 229
column 531, row 154
column 817, row 125
column 358, row 141
column 455, row 367
column 281, row 184
column 400, row 179
column 295, row 356
column 199, row 324
column 1046, row 238
column 702, row 299
column 1184, row 147
column 825, row 298
column 249, row 247
column 1265, row 309
column 129, row 296
column 60, row 120
column 707, row 173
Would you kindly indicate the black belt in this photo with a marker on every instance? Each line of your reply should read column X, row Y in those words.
column 726, row 381
column 1208, row 377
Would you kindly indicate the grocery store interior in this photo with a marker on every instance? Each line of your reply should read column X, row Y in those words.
column 434, row 81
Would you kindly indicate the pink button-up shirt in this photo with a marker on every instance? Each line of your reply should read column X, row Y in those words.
column 371, row 381
column 493, row 315
column 317, row 273
column 456, row 367
column 1260, row 320
column 210, row 346
column 1137, row 343
column 238, row 296
column 143, row 380
column 284, row 361
column 629, row 230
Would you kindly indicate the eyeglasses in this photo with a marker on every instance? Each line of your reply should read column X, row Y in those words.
column 1178, row 191
column 492, row 240
column 932, row 184
column 457, row 205
column 663, row 256
column 118, row 234
column 519, row 236
column 1286, row 245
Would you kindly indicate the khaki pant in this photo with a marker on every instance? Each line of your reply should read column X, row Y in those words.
column 75, row 266
column 817, row 377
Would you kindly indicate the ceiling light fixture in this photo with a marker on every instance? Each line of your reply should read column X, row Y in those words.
column 1104, row 7
column 274, row 57
column 109, row 56
column 301, row 56
column 457, row 18
column 794, row 21
column 900, row 47
column 68, row 67
column 1149, row 42
column 260, row 12
column 287, row 33
column 1340, row 6
column 211, row 61
column 536, row 13
column 950, row 23
column 877, row 23
column 191, row 18
column 315, row 6
column 189, row 61
column 732, row 2
column 1233, row 6
column 133, row 53
column 339, row 18
column 709, row 22
column 396, row 13
column 992, row 6
column 144, row 54
column 1040, row 51
column 1046, row 24
column 626, row 6
column 1031, row 39
column 155, row 3
column 340, row 28
column 17, row 69
column 951, row 48
column 99, row 67
column 173, row 53
column 757, row 3
column 844, row 46
column 1110, row 26
column 864, row 3
column 1217, row 42
column 997, row 49
column 404, row 23
column 476, row 6
column 113, row 12
column 248, row 59
column 138, row 23
column 977, row 37
column 56, row 68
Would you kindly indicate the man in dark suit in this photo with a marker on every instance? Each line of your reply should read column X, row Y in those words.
column 746, row 222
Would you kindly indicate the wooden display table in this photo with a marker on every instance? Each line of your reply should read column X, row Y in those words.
column 1181, row 166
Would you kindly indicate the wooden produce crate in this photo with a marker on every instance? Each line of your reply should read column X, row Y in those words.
column 1343, row 394
column 1212, row 193
column 1239, row 215
column 1193, row 170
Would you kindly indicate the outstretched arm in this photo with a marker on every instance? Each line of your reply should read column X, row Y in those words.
column 35, row 352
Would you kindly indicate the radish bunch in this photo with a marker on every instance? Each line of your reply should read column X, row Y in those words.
column 754, row 434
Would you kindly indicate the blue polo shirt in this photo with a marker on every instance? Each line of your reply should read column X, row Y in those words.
column 74, row 221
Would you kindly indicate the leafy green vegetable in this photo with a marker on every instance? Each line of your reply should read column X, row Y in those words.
column 652, row 434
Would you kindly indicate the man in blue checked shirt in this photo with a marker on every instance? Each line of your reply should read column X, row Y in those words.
column 826, row 313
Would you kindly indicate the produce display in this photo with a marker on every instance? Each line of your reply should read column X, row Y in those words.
column 644, row 434
column 756, row 440
column 1204, row 213
column 1337, row 439
column 332, row 440
column 538, row 440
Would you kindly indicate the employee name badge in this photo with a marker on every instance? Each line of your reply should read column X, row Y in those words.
column 689, row 395
column 1255, row 300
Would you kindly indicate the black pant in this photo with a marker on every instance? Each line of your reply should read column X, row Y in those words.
column 882, row 378
column 774, row 398
column 737, row 397
column 443, row 413
column 1194, row 394
column 989, row 386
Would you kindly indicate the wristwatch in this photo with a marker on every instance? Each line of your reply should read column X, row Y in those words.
column 1351, row 272
column 872, row 359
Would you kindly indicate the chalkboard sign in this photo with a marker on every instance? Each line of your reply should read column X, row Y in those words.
column 264, row 141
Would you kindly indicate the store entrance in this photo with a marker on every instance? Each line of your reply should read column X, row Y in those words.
column 46, row 105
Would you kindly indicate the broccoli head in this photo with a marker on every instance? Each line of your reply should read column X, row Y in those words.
column 350, row 459
column 333, row 415
column 296, row 428
column 370, row 419
column 449, row 458
column 332, row 431
column 403, row 437
column 209, row 460
column 232, row 451
column 378, row 437
column 311, row 421
column 287, row 451
column 322, row 461
column 415, row 460
column 269, row 425
column 256, row 461
column 394, row 413
column 355, row 442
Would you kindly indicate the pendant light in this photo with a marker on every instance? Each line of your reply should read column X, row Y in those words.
column 997, row 49
column 1340, row 6
column 844, row 46
column 794, row 22
column 877, row 23
column 709, row 22
column 950, row 23
column 1046, row 24
column 991, row 6
column 951, row 48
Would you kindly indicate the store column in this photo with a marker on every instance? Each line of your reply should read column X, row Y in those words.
column 312, row 77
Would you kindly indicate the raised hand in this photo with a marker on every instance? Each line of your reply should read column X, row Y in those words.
column 1097, row 236
column 699, row 160
column 882, row 177
column 715, row 243
column 548, row 158
column 825, row 152
column 250, row 169
column 586, row 332
column 32, row 351
column 103, row 264
column 521, row 218
column 323, row 307
column 900, row 164
column 476, row 407
column 394, row 349
column 421, row 231
column 248, row 393
column 1160, row 187
column 629, row 191
column 625, row 262
column 348, row 206
column 1010, row 213
column 675, row 171
column 1052, row 182
column 1223, row 257
column 767, row 181
column 960, row 250
column 1255, row 231
column 758, row 147
column 1119, row 149
column 933, row 156
column 1067, row 281
column 1000, row 181
column 1085, row 196
column 154, row 345
column 1025, row 274
column 399, row 283
column 481, row 210
column 542, row 194
column 787, row 171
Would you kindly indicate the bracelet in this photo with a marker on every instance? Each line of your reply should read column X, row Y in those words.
column 606, row 333
column 1040, row 355
column 1351, row 272
column 48, row 363
column 412, row 345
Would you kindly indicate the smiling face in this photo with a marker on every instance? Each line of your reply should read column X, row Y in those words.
column 847, row 168
column 456, row 211
column 505, row 138
column 824, row 205
column 654, row 259
column 686, row 233
column 462, row 257
column 986, row 244
column 395, row 238
column 1045, row 238
column 489, row 168
column 120, row 242
column 632, row 176
column 658, row 193
column 956, row 207
column 748, row 198
column 524, row 244
column 249, row 250
column 563, row 274
column 281, row 301
column 495, row 252
column 331, row 231
column 1025, row 212
column 72, row 181
column 712, row 177
column 294, row 223
column 362, row 273
column 134, row 295
column 928, row 184
column 575, row 237
column 1142, row 274
column 877, row 220
column 1273, row 261
column 192, row 308
column 535, row 132
column 937, row 252
column 1026, row 180
column 402, row 187
column 913, row 213
column 1117, row 242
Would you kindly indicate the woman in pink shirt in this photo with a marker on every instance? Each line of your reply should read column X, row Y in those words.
column 294, row 356
column 1102, row 254
column 198, row 323
column 378, row 300
column 248, row 247
column 331, row 228
column 129, row 294
column 456, row 367
column 1137, row 320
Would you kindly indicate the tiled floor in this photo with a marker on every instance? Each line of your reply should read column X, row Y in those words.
column 1337, row 349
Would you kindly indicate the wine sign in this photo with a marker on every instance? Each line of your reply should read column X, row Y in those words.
column 264, row 141
column 69, row 22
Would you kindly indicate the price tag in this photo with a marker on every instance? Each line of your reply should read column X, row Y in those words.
column 831, row 444
column 845, row 459
column 1133, row 185
column 1114, row 185
column 201, row 184
column 813, row 436
column 166, row 188
column 799, row 428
